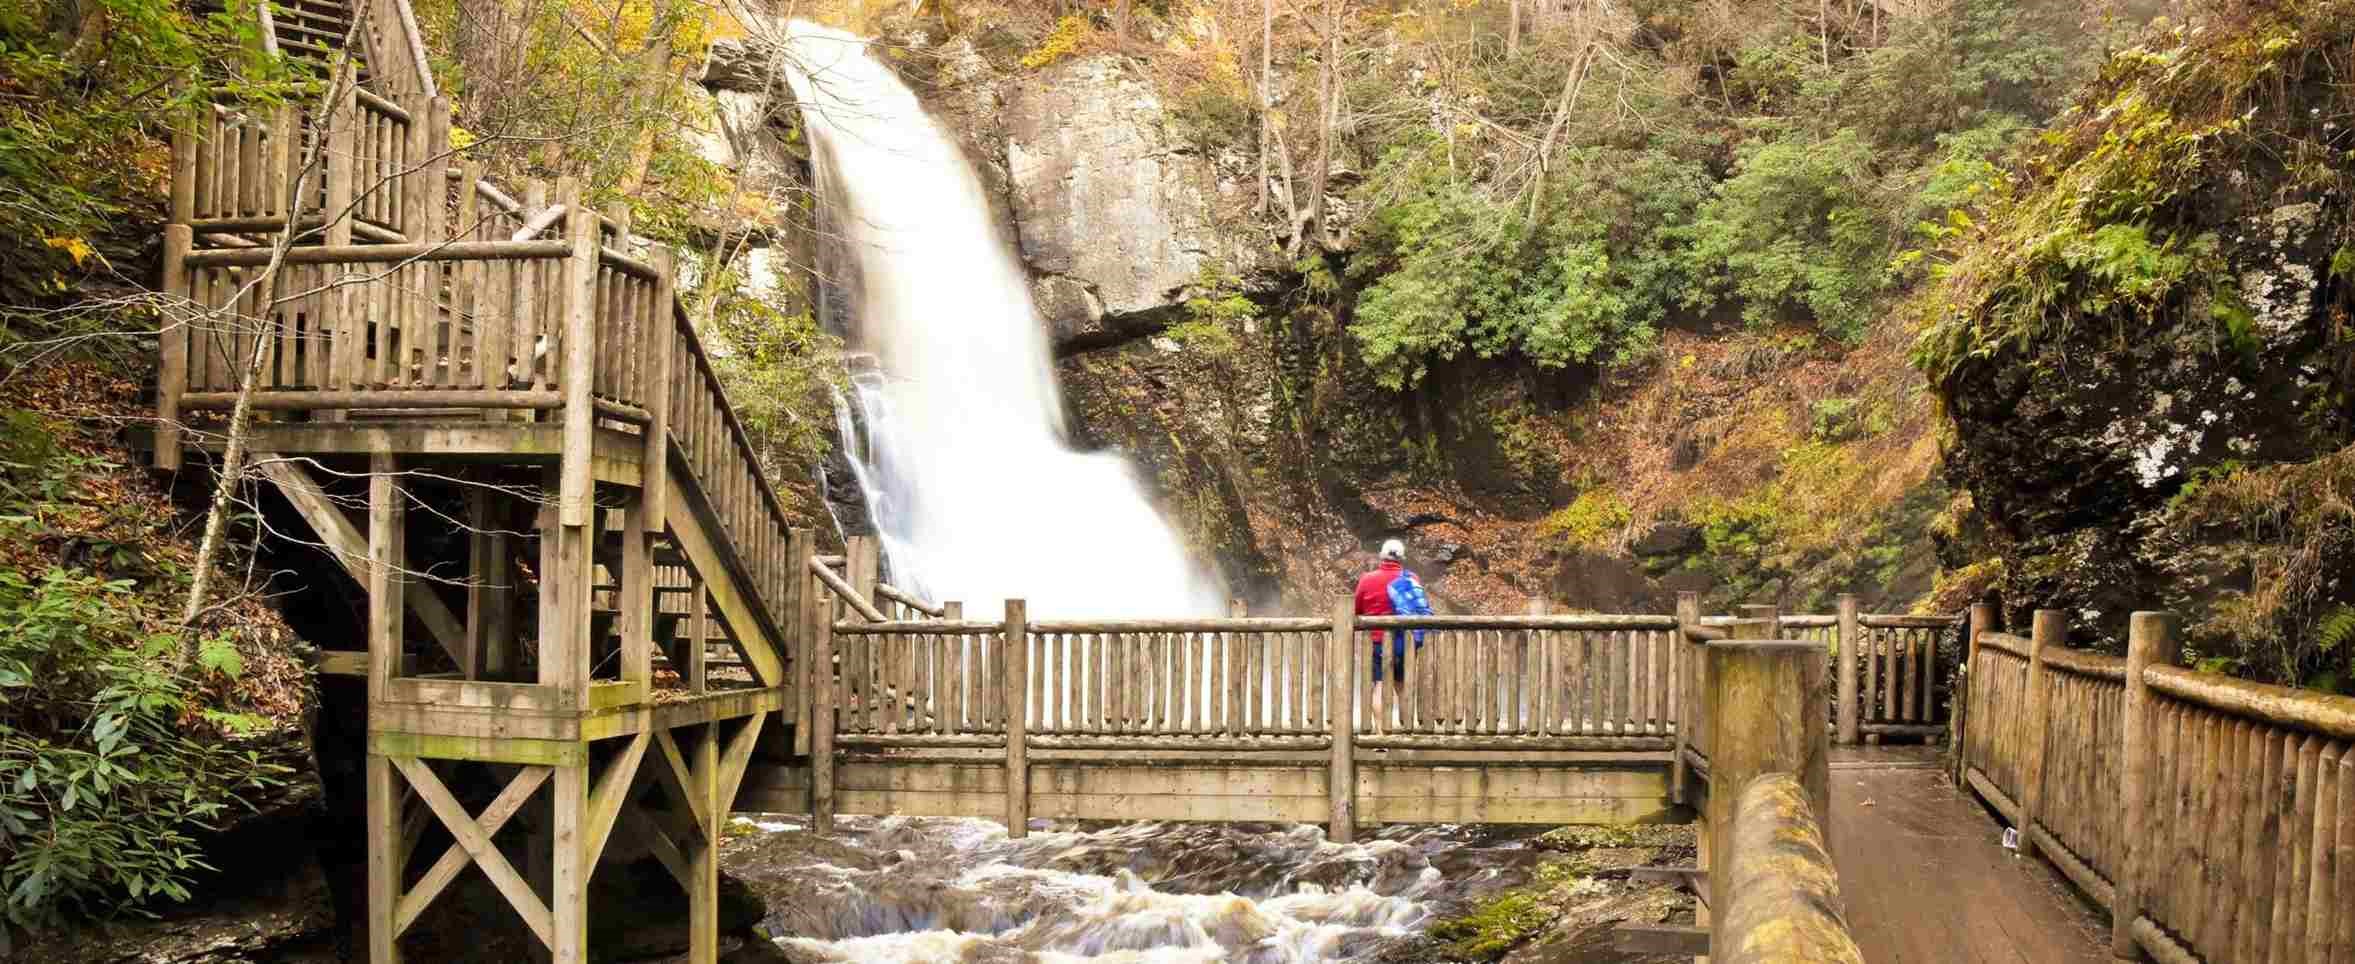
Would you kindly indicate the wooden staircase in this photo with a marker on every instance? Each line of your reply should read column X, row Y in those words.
column 514, row 366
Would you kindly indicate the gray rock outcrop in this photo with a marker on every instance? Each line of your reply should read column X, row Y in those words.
column 1114, row 216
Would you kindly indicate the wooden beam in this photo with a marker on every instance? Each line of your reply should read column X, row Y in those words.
column 579, row 361
column 677, row 777
column 478, row 845
column 1016, row 680
column 734, row 761
column 703, row 892
column 635, row 821
column 610, row 795
column 345, row 542
column 568, row 885
column 518, row 792
column 515, row 750
column 1341, row 664
column 1667, row 940
column 386, row 527
column 635, row 594
column 384, row 866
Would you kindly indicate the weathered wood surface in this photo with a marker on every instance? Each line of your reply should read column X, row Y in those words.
column 1927, row 881
column 1785, row 897
column 2216, row 816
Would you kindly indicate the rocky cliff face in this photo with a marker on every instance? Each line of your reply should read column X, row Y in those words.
column 2150, row 394
column 1115, row 219
column 1189, row 342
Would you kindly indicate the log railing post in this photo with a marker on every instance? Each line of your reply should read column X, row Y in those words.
column 1765, row 711
column 822, row 689
column 2051, row 627
column 1342, row 662
column 654, row 465
column 2151, row 640
column 1016, row 653
column 172, row 373
column 1982, row 620
column 580, row 357
column 1693, row 673
column 1844, row 655
column 802, row 595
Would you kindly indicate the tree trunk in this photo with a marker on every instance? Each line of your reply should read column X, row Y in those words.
column 232, row 468
column 1513, row 29
column 490, row 42
column 1120, row 25
column 1267, row 94
column 1329, row 114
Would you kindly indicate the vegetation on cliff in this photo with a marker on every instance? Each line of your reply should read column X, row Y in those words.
column 2140, row 337
column 1604, row 304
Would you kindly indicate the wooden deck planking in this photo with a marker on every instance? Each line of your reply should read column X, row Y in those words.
column 1926, row 878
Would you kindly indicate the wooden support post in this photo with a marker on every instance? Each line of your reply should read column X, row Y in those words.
column 1016, row 655
column 579, row 304
column 2152, row 639
column 698, row 646
column 822, row 693
column 864, row 555
column 565, row 578
column 568, row 896
column 654, row 464
column 703, row 894
column 1765, row 714
column 384, row 864
column 171, row 377
column 1982, row 620
column 1695, row 669
column 387, row 524
column 1342, row 663
column 1844, row 653
column 490, row 596
column 2051, row 628
column 634, row 593
column 801, row 591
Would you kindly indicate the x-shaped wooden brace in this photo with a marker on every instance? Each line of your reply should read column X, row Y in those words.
column 473, row 844
column 675, row 836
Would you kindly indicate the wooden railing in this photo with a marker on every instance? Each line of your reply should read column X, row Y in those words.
column 1522, row 678
column 1889, row 677
column 2212, row 816
column 385, row 305
column 1783, row 893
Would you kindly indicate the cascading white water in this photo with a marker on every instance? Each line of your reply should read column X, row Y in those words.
column 967, row 467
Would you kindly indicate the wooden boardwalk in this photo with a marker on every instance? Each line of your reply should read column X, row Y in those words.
column 1926, row 877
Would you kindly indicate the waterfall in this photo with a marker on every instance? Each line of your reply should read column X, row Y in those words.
column 966, row 462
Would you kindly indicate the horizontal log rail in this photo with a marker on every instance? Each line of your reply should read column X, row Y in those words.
column 2209, row 815
column 1785, row 895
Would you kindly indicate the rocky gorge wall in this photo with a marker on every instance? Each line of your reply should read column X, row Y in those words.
column 1188, row 339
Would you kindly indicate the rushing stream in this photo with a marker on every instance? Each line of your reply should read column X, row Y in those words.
column 954, row 890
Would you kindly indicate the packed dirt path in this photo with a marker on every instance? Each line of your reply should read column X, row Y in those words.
column 1927, row 879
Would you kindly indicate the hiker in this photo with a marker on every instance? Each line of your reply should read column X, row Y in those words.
column 1390, row 589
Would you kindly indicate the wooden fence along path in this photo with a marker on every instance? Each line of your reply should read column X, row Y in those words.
column 2213, row 817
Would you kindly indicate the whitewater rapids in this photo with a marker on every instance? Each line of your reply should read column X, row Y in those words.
column 930, row 890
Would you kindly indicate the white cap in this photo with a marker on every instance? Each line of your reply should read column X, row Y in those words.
column 1394, row 549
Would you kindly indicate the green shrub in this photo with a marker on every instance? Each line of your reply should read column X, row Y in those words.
column 110, row 761
column 1801, row 227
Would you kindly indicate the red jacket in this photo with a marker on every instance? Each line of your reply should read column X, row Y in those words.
column 1374, row 591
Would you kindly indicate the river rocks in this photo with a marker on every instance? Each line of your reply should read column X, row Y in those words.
column 1113, row 217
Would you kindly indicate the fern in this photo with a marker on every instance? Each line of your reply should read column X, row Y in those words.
column 2335, row 627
